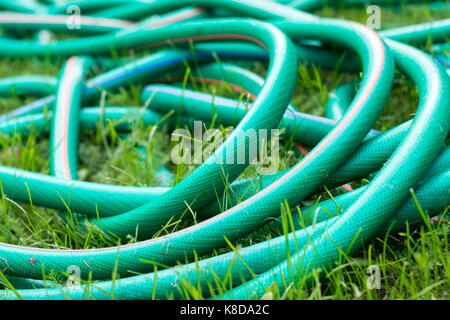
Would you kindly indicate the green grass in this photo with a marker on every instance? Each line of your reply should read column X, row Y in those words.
column 414, row 264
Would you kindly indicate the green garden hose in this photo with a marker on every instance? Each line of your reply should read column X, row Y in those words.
column 65, row 118
column 344, row 147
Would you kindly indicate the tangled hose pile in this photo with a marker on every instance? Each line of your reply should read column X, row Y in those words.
column 344, row 147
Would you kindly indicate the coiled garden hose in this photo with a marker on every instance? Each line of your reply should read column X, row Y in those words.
column 344, row 147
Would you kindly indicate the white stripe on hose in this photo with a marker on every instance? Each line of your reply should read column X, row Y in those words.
column 23, row 18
